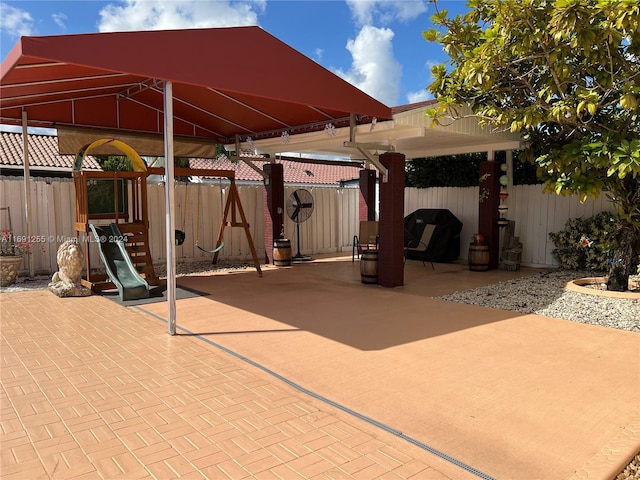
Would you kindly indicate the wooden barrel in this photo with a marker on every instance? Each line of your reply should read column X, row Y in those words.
column 478, row 257
column 369, row 266
column 282, row 252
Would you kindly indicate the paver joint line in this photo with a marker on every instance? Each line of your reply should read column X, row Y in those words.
column 328, row 401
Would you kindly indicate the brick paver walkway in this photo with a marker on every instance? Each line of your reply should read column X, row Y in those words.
column 91, row 389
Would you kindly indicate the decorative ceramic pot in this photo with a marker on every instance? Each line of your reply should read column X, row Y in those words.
column 9, row 268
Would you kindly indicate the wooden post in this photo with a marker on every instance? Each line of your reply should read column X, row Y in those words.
column 273, row 206
column 488, row 214
column 391, row 257
column 367, row 205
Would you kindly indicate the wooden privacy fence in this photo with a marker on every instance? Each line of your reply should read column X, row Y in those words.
column 198, row 212
column 536, row 215
column 330, row 228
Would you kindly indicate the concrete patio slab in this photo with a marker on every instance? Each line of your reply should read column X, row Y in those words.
column 308, row 373
column 91, row 389
column 512, row 395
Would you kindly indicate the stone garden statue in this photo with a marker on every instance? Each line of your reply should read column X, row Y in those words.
column 66, row 282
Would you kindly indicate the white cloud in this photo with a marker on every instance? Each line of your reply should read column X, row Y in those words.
column 429, row 64
column 60, row 19
column 368, row 12
column 428, row 78
column 423, row 94
column 374, row 69
column 419, row 96
column 14, row 21
column 177, row 14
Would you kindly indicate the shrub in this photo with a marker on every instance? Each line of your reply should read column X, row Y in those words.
column 586, row 243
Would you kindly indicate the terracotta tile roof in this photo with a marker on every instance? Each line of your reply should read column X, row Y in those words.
column 294, row 171
column 44, row 156
column 412, row 106
column 43, row 153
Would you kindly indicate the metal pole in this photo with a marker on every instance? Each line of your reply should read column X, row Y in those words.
column 169, row 189
column 27, row 188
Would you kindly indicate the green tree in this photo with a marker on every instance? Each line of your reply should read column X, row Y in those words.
column 566, row 74
column 115, row 163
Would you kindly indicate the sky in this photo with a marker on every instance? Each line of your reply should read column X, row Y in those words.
column 376, row 45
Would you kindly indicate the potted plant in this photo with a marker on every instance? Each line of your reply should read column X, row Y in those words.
column 477, row 238
column 11, row 254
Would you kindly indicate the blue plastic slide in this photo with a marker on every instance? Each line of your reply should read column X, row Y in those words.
column 131, row 286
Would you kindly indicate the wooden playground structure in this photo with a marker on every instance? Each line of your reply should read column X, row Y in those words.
column 129, row 212
column 121, row 198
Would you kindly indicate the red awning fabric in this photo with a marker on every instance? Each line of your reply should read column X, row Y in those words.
column 226, row 82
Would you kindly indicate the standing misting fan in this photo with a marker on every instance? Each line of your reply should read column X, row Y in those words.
column 299, row 209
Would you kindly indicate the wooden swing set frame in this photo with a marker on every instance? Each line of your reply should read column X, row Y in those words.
column 135, row 224
column 233, row 207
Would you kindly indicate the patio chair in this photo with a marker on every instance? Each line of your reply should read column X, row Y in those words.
column 367, row 238
column 421, row 246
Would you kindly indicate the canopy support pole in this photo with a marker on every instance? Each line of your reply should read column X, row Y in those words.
column 27, row 188
column 169, row 189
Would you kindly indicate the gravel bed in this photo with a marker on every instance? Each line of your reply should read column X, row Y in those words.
column 546, row 294
column 23, row 283
column 631, row 471
column 184, row 269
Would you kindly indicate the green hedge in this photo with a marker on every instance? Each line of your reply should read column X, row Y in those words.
column 462, row 171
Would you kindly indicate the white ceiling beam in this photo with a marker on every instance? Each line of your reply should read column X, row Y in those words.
column 458, row 150
column 252, row 165
column 384, row 171
column 364, row 148
column 371, row 146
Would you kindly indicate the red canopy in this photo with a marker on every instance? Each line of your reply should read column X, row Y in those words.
column 220, row 83
column 226, row 82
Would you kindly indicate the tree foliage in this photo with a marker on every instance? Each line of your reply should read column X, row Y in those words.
column 115, row 163
column 564, row 73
